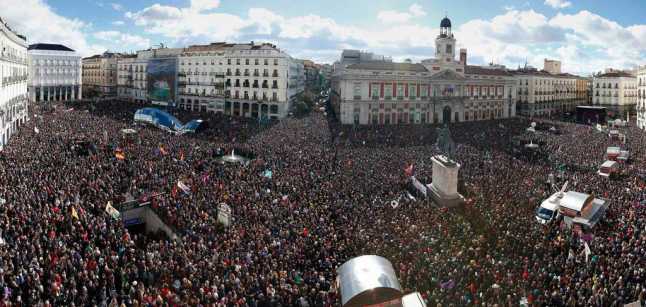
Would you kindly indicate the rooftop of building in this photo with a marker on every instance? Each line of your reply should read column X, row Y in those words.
column 379, row 65
column 536, row 72
column 615, row 74
column 480, row 70
column 43, row 46
column 106, row 54
column 224, row 45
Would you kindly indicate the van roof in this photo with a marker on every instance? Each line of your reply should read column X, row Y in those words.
column 551, row 203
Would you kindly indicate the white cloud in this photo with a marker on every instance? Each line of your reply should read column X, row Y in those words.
column 117, row 7
column 204, row 5
column 392, row 16
column 558, row 4
column 123, row 39
column 584, row 41
column 118, row 23
column 417, row 10
column 40, row 24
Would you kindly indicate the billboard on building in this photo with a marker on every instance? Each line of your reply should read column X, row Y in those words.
column 162, row 83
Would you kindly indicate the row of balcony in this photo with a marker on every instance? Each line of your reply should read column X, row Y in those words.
column 212, row 74
column 617, row 87
column 12, row 58
column 616, row 95
column 426, row 97
column 215, row 84
column 521, row 92
column 229, row 96
column 13, row 79
column 246, row 74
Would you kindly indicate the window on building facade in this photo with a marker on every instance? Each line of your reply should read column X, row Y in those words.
column 424, row 91
column 375, row 89
column 357, row 90
column 388, row 91
column 412, row 91
column 400, row 90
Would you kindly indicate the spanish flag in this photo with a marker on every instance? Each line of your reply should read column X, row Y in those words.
column 162, row 150
column 181, row 155
column 75, row 214
column 119, row 155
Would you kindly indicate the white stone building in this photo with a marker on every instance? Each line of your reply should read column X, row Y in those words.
column 250, row 80
column 541, row 93
column 439, row 90
column 616, row 90
column 99, row 73
column 54, row 73
column 13, row 82
column 641, row 96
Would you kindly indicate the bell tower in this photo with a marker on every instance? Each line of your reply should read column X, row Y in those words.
column 445, row 43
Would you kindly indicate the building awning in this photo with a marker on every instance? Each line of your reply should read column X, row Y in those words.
column 575, row 201
column 598, row 210
column 613, row 150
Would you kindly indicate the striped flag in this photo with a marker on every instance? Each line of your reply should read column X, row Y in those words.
column 183, row 187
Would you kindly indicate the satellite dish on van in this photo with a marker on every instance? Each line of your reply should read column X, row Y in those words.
column 562, row 191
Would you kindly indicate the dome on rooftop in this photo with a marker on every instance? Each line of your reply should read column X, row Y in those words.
column 446, row 23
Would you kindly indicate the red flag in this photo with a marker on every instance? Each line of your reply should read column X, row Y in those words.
column 173, row 192
column 409, row 170
column 305, row 232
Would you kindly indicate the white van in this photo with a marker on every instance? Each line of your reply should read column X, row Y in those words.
column 548, row 210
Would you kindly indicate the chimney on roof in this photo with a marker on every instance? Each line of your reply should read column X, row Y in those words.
column 463, row 56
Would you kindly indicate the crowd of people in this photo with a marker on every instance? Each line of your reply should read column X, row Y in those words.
column 330, row 198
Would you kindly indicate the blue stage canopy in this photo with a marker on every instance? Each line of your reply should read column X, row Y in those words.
column 192, row 126
column 158, row 118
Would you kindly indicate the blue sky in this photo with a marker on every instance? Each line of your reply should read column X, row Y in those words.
column 587, row 35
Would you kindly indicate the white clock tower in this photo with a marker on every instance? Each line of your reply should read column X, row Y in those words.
column 445, row 43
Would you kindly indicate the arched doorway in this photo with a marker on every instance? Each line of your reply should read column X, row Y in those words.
column 446, row 115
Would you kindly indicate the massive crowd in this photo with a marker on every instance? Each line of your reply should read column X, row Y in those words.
column 329, row 199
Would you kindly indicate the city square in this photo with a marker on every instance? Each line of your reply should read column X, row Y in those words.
column 235, row 174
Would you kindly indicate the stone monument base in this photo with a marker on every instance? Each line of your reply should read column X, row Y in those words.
column 444, row 187
column 444, row 201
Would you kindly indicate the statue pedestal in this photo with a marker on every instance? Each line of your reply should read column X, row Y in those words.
column 444, row 187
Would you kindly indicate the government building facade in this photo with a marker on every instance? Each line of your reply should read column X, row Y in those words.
column 435, row 91
column 13, row 82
